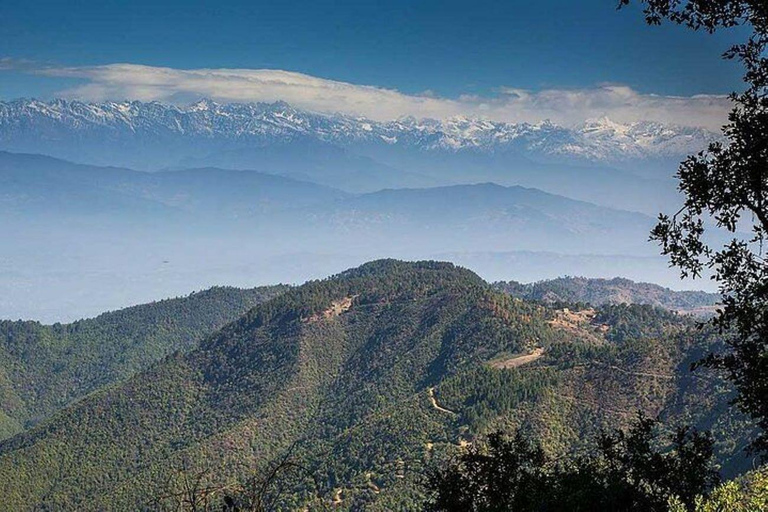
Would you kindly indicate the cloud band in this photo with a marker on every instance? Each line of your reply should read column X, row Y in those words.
column 563, row 106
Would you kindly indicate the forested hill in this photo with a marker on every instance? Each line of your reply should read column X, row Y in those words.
column 610, row 291
column 371, row 376
column 45, row 367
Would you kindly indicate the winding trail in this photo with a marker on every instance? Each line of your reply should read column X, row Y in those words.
column 431, row 393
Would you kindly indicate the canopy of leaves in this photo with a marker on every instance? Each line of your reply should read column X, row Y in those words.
column 728, row 185
column 626, row 472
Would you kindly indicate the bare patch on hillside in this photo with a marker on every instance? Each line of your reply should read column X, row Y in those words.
column 701, row 311
column 518, row 360
column 336, row 499
column 337, row 308
column 581, row 322
column 371, row 484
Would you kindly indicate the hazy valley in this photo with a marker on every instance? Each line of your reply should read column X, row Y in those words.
column 315, row 194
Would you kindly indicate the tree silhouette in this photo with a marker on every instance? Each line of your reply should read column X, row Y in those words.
column 626, row 472
column 727, row 185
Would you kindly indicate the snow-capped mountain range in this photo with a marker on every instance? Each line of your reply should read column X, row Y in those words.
column 42, row 126
column 254, row 191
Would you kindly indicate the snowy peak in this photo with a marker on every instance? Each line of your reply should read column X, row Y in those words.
column 643, row 138
column 23, row 122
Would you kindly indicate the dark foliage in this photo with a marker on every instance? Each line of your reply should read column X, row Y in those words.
column 728, row 183
column 507, row 474
column 627, row 472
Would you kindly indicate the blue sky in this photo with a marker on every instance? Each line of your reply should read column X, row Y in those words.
column 434, row 48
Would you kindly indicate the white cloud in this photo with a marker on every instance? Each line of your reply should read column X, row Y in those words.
column 563, row 106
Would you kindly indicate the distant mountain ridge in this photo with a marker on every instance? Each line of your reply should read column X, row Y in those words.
column 27, row 123
column 609, row 291
column 195, row 228
column 35, row 184
column 484, row 215
column 623, row 166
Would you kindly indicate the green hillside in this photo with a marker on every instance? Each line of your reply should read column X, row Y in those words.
column 371, row 377
column 45, row 367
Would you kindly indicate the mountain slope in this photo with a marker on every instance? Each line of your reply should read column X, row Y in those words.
column 45, row 367
column 36, row 185
column 484, row 217
column 317, row 162
column 375, row 373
